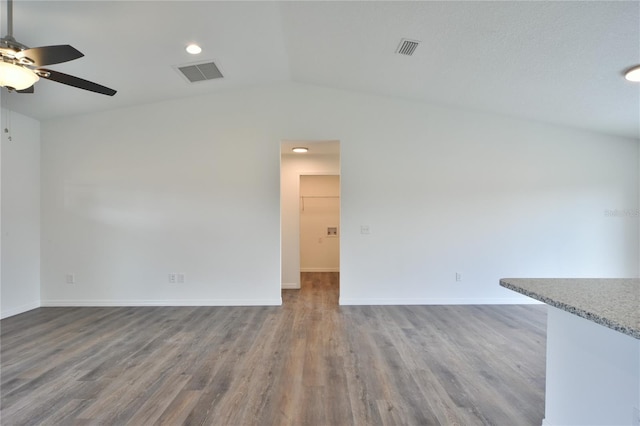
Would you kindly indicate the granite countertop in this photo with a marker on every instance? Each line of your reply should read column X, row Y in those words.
column 612, row 302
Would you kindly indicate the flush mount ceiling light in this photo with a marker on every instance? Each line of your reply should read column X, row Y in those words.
column 633, row 74
column 300, row 149
column 194, row 49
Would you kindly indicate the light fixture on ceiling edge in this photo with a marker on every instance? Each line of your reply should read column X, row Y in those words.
column 16, row 77
column 300, row 149
column 633, row 74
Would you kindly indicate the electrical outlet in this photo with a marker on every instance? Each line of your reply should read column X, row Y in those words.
column 458, row 276
column 172, row 278
column 182, row 278
column 71, row 278
column 364, row 229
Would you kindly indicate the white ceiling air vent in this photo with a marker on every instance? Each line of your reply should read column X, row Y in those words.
column 200, row 72
column 407, row 47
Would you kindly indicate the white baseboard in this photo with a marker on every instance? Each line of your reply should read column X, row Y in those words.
column 185, row 302
column 19, row 309
column 545, row 422
column 440, row 301
column 258, row 302
column 335, row 269
column 290, row 286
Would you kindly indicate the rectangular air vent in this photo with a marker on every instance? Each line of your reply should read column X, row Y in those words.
column 200, row 72
column 407, row 47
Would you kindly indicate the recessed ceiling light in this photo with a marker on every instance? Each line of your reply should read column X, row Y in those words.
column 300, row 149
column 194, row 49
column 633, row 74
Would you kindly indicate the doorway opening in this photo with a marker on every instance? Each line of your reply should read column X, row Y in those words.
column 310, row 216
column 320, row 233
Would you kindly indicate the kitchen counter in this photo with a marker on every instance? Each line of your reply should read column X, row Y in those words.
column 593, row 349
column 611, row 302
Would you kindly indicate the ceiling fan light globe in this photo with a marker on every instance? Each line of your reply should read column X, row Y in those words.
column 16, row 77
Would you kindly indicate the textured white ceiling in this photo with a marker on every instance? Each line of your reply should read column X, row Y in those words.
column 557, row 62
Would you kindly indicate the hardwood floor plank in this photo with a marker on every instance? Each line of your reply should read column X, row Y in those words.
column 179, row 408
column 153, row 407
column 308, row 362
column 288, row 397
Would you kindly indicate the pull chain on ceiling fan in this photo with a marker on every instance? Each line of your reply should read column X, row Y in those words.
column 20, row 65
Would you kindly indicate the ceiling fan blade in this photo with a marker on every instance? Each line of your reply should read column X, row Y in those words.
column 75, row 82
column 27, row 90
column 49, row 55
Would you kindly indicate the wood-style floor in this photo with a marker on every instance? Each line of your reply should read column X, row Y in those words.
column 309, row 362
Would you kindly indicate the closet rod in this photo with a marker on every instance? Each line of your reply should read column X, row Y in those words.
column 302, row 197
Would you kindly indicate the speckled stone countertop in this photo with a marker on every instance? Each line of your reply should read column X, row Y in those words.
column 612, row 302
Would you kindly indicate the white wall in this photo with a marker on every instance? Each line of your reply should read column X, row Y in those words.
column 20, row 214
column 320, row 198
column 489, row 197
column 191, row 186
column 292, row 167
column 132, row 195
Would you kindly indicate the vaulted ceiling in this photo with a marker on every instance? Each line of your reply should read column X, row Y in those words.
column 556, row 62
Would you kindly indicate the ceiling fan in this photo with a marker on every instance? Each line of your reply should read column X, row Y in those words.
column 20, row 65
